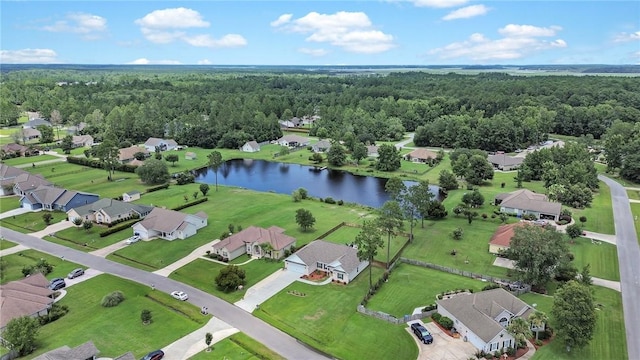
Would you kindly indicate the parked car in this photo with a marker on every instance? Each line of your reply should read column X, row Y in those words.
column 57, row 284
column 154, row 355
column 75, row 273
column 422, row 333
column 180, row 295
column 132, row 240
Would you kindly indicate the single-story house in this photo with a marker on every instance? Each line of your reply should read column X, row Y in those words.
column 131, row 196
column 286, row 124
column 33, row 115
column 26, row 182
column 86, row 351
column 523, row 202
column 481, row 318
column 47, row 197
column 29, row 296
column 107, row 211
column 501, row 239
column 126, row 155
column 504, row 162
column 34, row 123
column 9, row 175
column 293, row 141
column 14, row 150
column 372, row 150
column 339, row 261
column 250, row 241
column 310, row 120
column 321, row 146
column 75, row 129
column 162, row 144
column 169, row 224
column 421, row 156
column 250, row 146
column 136, row 162
column 190, row 155
column 82, row 141
column 30, row 134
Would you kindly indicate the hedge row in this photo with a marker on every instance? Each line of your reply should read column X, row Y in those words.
column 183, row 206
column 115, row 229
column 99, row 164
column 159, row 187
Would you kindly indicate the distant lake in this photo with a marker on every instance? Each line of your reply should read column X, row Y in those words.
column 283, row 178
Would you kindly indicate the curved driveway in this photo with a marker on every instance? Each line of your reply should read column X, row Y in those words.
column 628, row 256
column 271, row 337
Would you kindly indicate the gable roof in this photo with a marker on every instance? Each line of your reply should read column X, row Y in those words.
column 51, row 195
column 133, row 192
column 422, row 154
column 22, row 297
column 14, row 148
column 252, row 144
column 166, row 221
column 82, row 139
column 528, row 200
column 112, row 207
column 157, row 142
column 128, row 153
column 253, row 234
column 10, row 172
column 339, row 256
column 25, row 182
column 36, row 122
column 372, row 149
column 81, row 352
column 322, row 144
column 294, row 138
column 505, row 160
column 504, row 233
column 30, row 132
column 478, row 310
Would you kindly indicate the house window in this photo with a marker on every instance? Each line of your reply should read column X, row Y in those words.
column 340, row 276
column 319, row 265
column 504, row 322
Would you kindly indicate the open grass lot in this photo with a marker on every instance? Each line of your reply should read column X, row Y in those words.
column 603, row 258
column 326, row 318
column 9, row 203
column 32, row 221
column 15, row 262
column 117, row 330
column 411, row 286
column 76, row 237
column 635, row 210
column 608, row 341
column 29, row 160
column 238, row 346
column 600, row 213
column 633, row 194
column 173, row 196
column 202, row 273
column 347, row 235
column 434, row 244
column 6, row 244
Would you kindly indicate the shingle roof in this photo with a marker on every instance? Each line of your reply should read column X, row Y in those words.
column 504, row 233
column 253, row 144
column 339, row 256
column 157, row 142
column 294, row 138
column 81, row 352
column 50, row 195
column 273, row 235
column 422, row 154
column 528, row 200
column 478, row 310
column 112, row 207
column 24, row 297
column 505, row 160
column 10, row 172
column 82, row 139
column 164, row 220
column 14, row 148
column 30, row 132
column 36, row 122
column 128, row 153
column 372, row 149
column 26, row 182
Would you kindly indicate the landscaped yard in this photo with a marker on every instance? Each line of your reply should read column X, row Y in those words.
column 347, row 235
column 15, row 262
column 32, row 221
column 29, row 160
column 117, row 330
column 238, row 346
column 411, row 286
column 76, row 237
column 202, row 273
column 326, row 318
column 633, row 194
column 603, row 258
column 9, row 203
column 608, row 342
column 600, row 213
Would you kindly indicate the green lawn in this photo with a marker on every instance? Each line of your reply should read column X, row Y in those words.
column 32, row 221
column 608, row 341
column 118, row 329
column 633, row 194
column 15, row 262
column 6, row 244
column 347, row 235
column 29, row 160
column 9, row 203
column 201, row 274
column 326, row 318
column 238, row 346
column 635, row 210
column 602, row 257
column 76, row 237
column 600, row 213
column 410, row 287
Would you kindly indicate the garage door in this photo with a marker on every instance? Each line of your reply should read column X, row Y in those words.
column 295, row 267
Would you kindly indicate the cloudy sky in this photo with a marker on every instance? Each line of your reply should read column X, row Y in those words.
column 328, row 32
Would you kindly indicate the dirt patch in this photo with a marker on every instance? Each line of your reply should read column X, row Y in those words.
column 320, row 313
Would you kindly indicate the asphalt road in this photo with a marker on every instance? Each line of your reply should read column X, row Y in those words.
column 268, row 335
column 628, row 257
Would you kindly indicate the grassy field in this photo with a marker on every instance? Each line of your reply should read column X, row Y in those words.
column 633, row 194
column 9, row 203
column 347, row 235
column 608, row 340
column 600, row 213
column 15, row 262
column 635, row 210
column 238, row 346
column 32, row 221
column 602, row 257
column 326, row 318
column 171, row 319
column 410, row 287
column 76, row 237
column 6, row 244
column 29, row 160
column 201, row 274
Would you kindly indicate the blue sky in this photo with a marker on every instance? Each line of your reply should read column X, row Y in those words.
column 298, row 32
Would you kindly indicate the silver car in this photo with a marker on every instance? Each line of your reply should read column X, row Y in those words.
column 75, row 273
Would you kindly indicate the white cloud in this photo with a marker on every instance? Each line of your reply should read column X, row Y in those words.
column 438, row 3
column 90, row 26
column 313, row 52
column 177, row 18
column 145, row 61
column 204, row 62
column 351, row 31
column 467, row 12
column 28, row 56
column 626, row 37
column 519, row 41
column 283, row 19
column 229, row 40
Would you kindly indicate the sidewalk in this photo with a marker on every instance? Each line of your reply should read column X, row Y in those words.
column 611, row 239
column 16, row 212
column 195, row 254
column 13, row 250
column 193, row 343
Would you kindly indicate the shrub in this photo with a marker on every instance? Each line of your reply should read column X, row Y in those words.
column 511, row 351
column 436, row 317
column 329, row 200
column 183, row 206
column 112, row 299
column 159, row 187
column 445, row 322
column 340, row 202
column 115, row 229
column 490, row 286
column 55, row 312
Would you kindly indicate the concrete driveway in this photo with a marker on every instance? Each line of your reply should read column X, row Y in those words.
column 266, row 288
column 443, row 346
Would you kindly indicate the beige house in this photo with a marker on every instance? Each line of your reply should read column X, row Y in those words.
column 131, row 196
column 29, row 296
column 293, row 141
column 504, row 162
column 255, row 241
column 526, row 202
column 339, row 261
column 126, row 155
column 421, row 156
column 82, row 141
column 107, row 211
column 169, row 224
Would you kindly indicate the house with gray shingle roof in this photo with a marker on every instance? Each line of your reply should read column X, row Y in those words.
column 250, row 146
column 131, row 196
column 504, row 162
column 107, row 211
column 482, row 318
column 162, row 144
column 52, row 198
column 321, row 146
column 34, row 123
column 86, row 351
column 293, row 141
column 169, row 224
column 253, row 241
column 29, row 296
column 9, row 175
column 523, row 202
column 339, row 261
column 26, row 182
column 126, row 155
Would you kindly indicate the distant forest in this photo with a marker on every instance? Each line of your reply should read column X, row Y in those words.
column 225, row 108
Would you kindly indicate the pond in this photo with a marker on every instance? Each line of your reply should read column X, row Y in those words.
column 283, row 178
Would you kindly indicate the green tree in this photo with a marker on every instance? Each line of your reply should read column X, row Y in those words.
column 208, row 338
column 614, row 143
column 46, row 217
column 420, row 196
column 77, row 221
column 21, row 333
column 153, row 172
column 460, row 165
column 574, row 314
column 457, row 233
column 46, row 134
column 9, row 113
column 473, row 199
column 305, row 219
column 204, row 189
column 447, row 180
column 395, row 188
column 539, row 321
column 87, row 225
column 230, row 277
column 172, row 158
column 146, row 316
column 67, row 144
column 479, row 170
column 585, row 275
column 316, row 158
column 388, row 158
column 215, row 161
column 521, row 330
column 359, row 152
column 390, row 220
column 574, row 230
column 108, row 152
column 336, row 156
column 368, row 241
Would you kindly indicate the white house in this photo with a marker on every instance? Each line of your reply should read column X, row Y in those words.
column 293, row 141
column 82, row 141
column 250, row 146
column 339, row 261
column 169, row 224
column 163, row 144
column 526, row 202
column 255, row 241
column 131, row 196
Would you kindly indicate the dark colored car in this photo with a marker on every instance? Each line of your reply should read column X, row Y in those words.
column 154, row 355
column 422, row 333
column 57, row 284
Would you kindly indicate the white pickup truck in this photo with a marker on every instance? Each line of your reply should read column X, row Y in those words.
column 132, row 240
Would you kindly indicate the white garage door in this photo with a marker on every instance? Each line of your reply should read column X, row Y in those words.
column 295, row 267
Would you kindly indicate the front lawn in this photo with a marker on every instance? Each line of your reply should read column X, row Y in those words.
column 411, row 286
column 9, row 203
column 29, row 160
column 600, row 213
column 347, row 235
column 325, row 317
column 238, row 346
column 635, row 210
column 117, row 330
column 77, row 237
column 633, row 194
column 15, row 262
column 202, row 273
column 32, row 221
column 602, row 256
column 6, row 244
